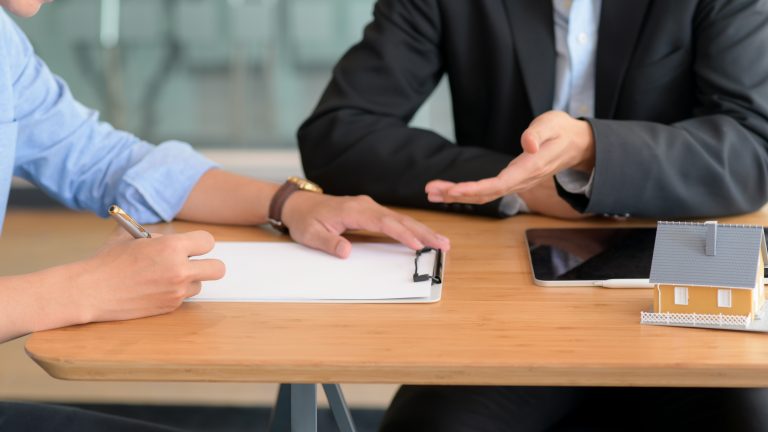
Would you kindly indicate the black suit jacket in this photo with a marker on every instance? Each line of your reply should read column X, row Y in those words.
column 681, row 104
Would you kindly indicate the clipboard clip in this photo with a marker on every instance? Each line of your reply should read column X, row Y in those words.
column 437, row 270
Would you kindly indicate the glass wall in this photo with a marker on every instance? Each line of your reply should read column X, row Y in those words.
column 224, row 74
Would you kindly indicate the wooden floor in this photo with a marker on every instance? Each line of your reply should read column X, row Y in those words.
column 23, row 249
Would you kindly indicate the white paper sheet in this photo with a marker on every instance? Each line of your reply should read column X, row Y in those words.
column 258, row 271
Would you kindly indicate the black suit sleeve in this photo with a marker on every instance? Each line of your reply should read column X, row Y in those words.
column 358, row 141
column 712, row 164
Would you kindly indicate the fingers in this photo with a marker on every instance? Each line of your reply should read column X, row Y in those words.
column 436, row 190
column 340, row 214
column 517, row 175
column 470, row 199
column 194, row 289
column 319, row 237
column 404, row 229
column 375, row 218
column 395, row 229
column 426, row 235
column 206, row 269
column 494, row 186
column 195, row 243
column 530, row 141
column 484, row 191
column 523, row 172
column 343, row 248
column 542, row 129
column 438, row 186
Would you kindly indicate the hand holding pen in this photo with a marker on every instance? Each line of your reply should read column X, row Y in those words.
column 133, row 279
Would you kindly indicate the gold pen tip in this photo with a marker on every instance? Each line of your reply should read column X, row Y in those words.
column 113, row 209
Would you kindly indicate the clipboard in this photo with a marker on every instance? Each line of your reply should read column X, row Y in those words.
column 288, row 272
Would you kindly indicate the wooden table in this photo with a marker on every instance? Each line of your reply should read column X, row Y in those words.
column 493, row 327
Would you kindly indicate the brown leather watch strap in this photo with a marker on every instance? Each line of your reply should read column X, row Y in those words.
column 277, row 203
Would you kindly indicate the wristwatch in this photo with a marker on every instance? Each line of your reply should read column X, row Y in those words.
column 293, row 184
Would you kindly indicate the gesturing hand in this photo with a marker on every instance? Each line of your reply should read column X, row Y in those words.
column 553, row 142
column 318, row 221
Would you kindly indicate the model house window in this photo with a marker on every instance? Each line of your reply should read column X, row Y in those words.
column 681, row 295
column 723, row 298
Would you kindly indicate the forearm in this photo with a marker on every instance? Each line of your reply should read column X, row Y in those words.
column 38, row 301
column 226, row 198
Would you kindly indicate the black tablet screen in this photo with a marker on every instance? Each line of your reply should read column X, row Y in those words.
column 573, row 254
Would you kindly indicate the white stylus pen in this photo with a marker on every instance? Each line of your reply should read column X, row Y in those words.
column 624, row 283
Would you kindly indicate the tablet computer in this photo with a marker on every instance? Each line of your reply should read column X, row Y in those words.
column 610, row 257
column 586, row 256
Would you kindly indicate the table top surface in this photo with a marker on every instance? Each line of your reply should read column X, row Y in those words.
column 493, row 326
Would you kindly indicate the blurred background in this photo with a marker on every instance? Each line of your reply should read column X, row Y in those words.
column 234, row 78
column 227, row 76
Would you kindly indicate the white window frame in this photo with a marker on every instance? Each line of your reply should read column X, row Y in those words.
column 681, row 296
column 724, row 298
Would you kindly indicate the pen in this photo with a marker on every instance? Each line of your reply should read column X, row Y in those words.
column 126, row 221
column 624, row 283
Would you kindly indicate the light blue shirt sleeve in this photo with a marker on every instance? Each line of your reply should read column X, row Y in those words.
column 86, row 164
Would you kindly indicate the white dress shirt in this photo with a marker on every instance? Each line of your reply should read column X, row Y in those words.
column 576, row 25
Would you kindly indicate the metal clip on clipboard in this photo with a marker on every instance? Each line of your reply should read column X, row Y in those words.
column 437, row 269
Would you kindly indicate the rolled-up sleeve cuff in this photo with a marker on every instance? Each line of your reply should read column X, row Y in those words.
column 157, row 187
column 576, row 182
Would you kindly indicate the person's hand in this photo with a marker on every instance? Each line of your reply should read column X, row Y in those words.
column 553, row 142
column 137, row 278
column 542, row 198
column 119, row 234
column 318, row 221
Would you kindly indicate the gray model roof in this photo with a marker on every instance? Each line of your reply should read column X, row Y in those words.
column 679, row 255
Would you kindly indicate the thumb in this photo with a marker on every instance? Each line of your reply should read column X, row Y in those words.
column 322, row 239
column 541, row 130
column 530, row 141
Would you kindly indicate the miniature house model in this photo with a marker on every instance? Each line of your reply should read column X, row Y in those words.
column 707, row 274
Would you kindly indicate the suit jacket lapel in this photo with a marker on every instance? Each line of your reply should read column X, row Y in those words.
column 532, row 27
column 620, row 26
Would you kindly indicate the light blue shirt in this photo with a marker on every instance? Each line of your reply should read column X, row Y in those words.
column 50, row 139
column 576, row 29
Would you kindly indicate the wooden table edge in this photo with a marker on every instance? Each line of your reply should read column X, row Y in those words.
column 598, row 376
